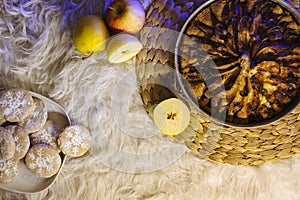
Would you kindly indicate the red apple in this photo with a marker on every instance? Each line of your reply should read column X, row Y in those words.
column 125, row 16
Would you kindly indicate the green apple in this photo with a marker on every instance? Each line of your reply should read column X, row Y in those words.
column 90, row 34
column 125, row 16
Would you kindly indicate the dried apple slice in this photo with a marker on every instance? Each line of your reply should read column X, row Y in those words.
column 123, row 47
column 171, row 116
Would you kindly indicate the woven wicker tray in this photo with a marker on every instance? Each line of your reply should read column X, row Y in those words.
column 206, row 137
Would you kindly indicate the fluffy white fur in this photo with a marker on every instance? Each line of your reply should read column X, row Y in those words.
column 128, row 160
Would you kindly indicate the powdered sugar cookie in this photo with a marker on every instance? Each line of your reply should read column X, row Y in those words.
column 7, row 144
column 75, row 140
column 21, row 140
column 9, row 169
column 15, row 104
column 47, row 135
column 43, row 161
column 38, row 117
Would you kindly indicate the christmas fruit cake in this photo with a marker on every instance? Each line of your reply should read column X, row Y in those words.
column 242, row 58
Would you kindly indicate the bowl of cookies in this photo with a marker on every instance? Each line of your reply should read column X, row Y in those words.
column 36, row 137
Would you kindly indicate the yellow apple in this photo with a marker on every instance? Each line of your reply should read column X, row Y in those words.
column 90, row 34
column 125, row 16
column 122, row 47
column 171, row 116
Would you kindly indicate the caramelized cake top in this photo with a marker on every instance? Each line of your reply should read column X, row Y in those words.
column 243, row 58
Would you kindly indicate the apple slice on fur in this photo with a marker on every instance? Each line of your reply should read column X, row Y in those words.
column 171, row 116
column 122, row 47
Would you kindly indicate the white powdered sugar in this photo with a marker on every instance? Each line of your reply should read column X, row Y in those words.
column 47, row 134
column 7, row 144
column 19, row 147
column 13, row 104
column 8, row 168
column 54, row 128
column 76, row 139
column 41, row 161
column 42, row 136
column 21, row 140
column 37, row 117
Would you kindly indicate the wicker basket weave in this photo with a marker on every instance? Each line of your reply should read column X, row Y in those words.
column 209, row 139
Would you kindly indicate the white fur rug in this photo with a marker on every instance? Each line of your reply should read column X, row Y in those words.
column 129, row 158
